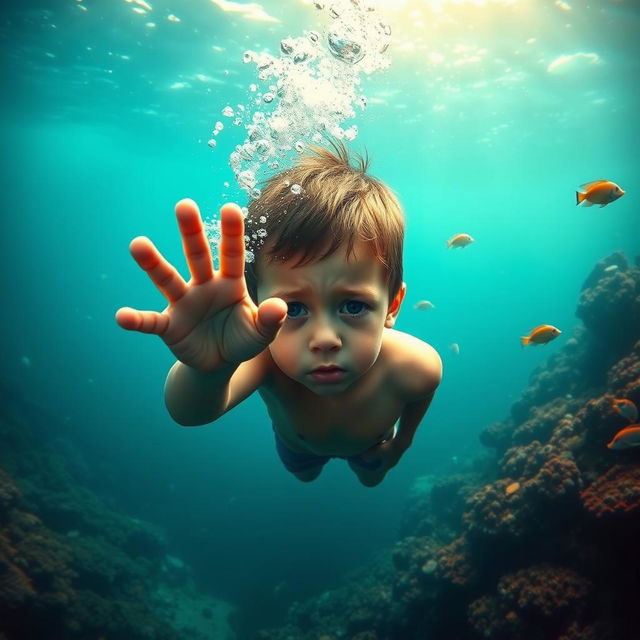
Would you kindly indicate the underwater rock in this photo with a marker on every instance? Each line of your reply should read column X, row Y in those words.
column 435, row 506
column 615, row 494
column 609, row 303
column 547, row 595
column 455, row 564
column 70, row 566
column 548, row 490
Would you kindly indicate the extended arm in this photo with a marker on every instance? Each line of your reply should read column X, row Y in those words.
column 211, row 324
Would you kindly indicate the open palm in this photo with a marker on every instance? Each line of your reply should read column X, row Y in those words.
column 210, row 320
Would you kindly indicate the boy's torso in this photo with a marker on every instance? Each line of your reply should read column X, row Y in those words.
column 346, row 424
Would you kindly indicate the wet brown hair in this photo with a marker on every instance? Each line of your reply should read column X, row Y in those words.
column 339, row 203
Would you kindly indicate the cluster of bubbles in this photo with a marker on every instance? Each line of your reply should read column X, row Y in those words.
column 309, row 89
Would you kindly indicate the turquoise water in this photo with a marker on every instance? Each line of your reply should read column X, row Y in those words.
column 488, row 119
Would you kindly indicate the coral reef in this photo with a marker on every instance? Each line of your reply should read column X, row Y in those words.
column 546, row 547
column 542, row 596
column 73, row 568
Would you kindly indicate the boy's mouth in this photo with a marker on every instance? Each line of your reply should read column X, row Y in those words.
column 328, row 373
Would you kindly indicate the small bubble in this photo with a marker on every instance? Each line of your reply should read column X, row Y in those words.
column 264, row 62
column 249, row 256
column 255, row 193
column 299, row 146
column 212, row 143
column 351, row 133
column 247, row 57
column 319, row 5
column 225, row 185
column 237, row 121
column 262, row 219
column 314, row 36
column 262, row 233
column 334, row 13
column 343, row 46
column 219, row 126
column 268, row 97
column 247, row 152
column 263, row 147
column 246, row 179
column 274, row 165
column 253, row 87
column 228, row 112
column 286, row 46
column 296, row 189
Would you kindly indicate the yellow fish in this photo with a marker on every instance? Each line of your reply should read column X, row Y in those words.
column 541, row 335
column 460, row 240
column 626, row 438
column 626, row 408
column 600, row 192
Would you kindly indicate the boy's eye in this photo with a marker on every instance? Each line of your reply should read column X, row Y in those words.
column 295, row 309
column 353, row 307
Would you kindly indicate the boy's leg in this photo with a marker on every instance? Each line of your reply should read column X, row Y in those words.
column 368, row 477
column 304, row 466
column 309, row 474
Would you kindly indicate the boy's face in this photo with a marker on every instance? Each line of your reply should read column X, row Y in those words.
column 338, row 309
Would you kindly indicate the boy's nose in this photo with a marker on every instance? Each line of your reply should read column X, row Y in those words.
column 324, row 338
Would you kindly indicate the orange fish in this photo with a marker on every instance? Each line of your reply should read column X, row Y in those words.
column 460, row 240
column 626, row 438
column 600, row 192
column 541, row 335
column 626, row 408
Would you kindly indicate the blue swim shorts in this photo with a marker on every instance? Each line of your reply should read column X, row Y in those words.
column 296, row 462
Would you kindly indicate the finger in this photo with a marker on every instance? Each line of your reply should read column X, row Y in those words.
column 270, row 317
column 142, row 321
column 194, row 241
column 231, row 241
column 162, row 273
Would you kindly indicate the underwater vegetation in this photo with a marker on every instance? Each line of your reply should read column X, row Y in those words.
column 538, row 540
column 71, row 566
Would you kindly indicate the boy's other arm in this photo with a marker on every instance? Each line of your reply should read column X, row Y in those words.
column 410, row 420
column 422, row 379
column 195, row 398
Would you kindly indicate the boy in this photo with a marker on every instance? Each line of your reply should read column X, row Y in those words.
column 309, row 325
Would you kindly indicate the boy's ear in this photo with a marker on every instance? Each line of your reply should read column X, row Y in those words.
column 394, row 307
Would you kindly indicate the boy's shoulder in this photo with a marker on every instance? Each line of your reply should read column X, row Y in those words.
column 414, row 364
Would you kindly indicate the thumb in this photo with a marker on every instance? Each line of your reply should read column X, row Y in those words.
column 270, row 317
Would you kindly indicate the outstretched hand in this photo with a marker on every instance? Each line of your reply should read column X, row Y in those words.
column 210, row 320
